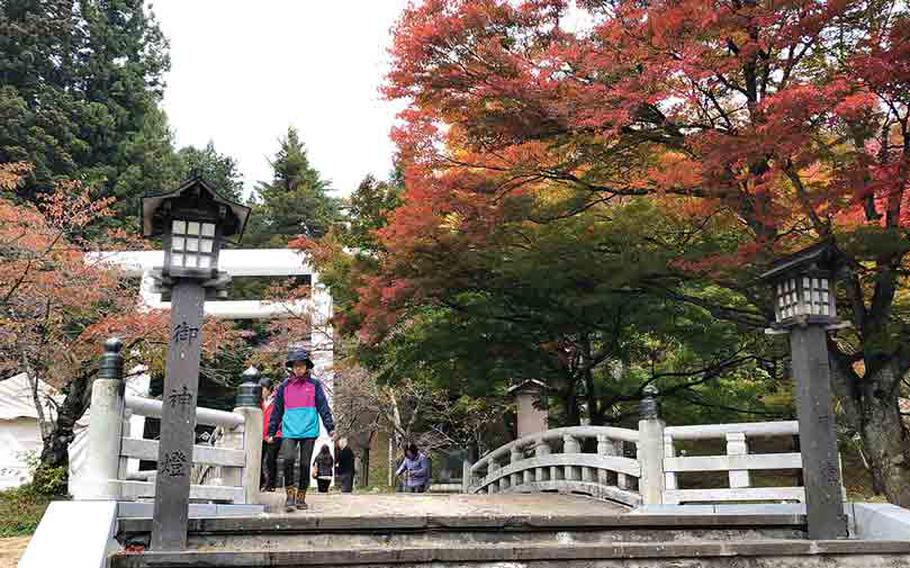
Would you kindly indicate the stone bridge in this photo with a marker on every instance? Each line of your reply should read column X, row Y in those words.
column 641, row 467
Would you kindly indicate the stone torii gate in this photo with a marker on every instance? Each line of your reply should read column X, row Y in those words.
column 249, row 262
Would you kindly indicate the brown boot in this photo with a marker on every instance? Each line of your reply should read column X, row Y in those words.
column 301, row 500
column 290, row 502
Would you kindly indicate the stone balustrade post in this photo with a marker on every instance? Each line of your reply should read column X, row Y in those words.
column 604, row 448
column 622, row 480
column 492, row 468
column 515, row 456
column 467, row 478
column 249, row 395
column 126, row 432
column 651, row 449
column 570, row 446
column 541, row 449
column 670, row 481
column 100, row 479
column 737, row 446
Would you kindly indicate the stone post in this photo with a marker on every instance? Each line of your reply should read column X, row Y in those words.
column 619, row 449
column 541, row 448
column 466, row 477
column 102, row 465
column 178, row 417
column 737, row 446
column 604, row 448
column 515, row 456
column 651, row 449
column 249, row 396
column 570, row 445
column 530, row 419
column 817, row 438
column 492, row 468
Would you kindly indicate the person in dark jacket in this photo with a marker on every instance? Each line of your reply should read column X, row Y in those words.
column 269, row 449
column 344, row 466
column 300, row 402
column 324, row 465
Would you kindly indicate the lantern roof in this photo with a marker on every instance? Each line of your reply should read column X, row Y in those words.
column 822, row 255
column 197, row 196
column 529, row 385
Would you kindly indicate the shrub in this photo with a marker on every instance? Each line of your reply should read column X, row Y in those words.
column 21, row 510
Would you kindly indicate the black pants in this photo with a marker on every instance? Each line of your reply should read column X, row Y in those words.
column 293, row 449
column 322, row 484
column 345, row 481
column 270, row 463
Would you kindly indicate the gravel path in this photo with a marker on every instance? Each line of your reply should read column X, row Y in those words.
column 403, row 504
column 11, row 550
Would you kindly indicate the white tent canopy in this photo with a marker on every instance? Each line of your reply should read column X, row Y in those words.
column 20, row 433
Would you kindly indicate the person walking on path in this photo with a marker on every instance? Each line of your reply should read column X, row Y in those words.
column 416, row 469
column 344, row 466
column 300, row 402
column 269, row 449
column 323, row 468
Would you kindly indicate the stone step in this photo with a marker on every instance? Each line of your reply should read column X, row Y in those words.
column 303, row 522
column 472, row 538
column 704, row 554
column 303, row 532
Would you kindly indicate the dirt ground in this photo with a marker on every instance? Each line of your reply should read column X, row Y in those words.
column 11, row 550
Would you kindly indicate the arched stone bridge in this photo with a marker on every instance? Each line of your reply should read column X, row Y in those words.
column 554, row 461
column 641, row 467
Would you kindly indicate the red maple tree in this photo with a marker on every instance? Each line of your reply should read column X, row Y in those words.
column 788, row 119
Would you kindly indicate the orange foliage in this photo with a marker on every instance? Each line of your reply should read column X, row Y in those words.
column 56, row 307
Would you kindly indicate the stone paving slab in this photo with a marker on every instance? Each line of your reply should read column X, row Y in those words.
column 422, row 505
column 397, row 512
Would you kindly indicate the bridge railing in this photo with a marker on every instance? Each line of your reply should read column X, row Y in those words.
column 737, row 462
column 647, row 466
column 582, row 459
column 236, row 457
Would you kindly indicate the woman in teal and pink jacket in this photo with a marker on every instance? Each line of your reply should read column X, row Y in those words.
column 300, row 402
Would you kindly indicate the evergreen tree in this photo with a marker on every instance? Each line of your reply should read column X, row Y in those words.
column 81, row 83
column 367, row 209
column 219, row 170
column 295, row 202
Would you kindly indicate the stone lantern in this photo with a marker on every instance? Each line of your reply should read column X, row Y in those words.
column 804, row 308
column 194, row 222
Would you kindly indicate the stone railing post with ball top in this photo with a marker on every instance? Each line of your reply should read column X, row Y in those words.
column 100, row 479
column 249, row 395
column 651, row 449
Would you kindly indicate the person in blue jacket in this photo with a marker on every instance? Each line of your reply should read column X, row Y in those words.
column 300, row 402
column 416, row 470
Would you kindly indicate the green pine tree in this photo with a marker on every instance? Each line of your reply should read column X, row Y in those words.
column 81, row 82
column 219, row 170
column 296, row 201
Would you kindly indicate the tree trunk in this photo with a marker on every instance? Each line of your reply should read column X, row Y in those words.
column 55, row 452
column 573, row 413
column 46, row 426
column 364, row 467
column 885, row 439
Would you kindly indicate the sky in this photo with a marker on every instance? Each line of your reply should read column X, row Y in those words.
column 242, row 72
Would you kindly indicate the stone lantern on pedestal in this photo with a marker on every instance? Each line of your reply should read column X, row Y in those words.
column 193, row 222
column 804, row 308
